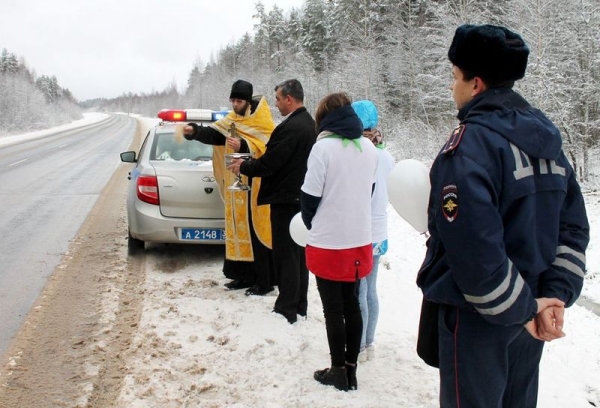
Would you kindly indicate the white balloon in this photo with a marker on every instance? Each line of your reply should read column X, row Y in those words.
column 408, row 189
column 298, row 230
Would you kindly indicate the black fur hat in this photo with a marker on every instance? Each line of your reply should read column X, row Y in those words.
column 241, row 90
column 490, row 52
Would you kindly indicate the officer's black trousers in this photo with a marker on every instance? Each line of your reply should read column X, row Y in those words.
column 485, row 365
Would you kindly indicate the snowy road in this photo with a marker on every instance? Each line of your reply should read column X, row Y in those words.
column 48, row 186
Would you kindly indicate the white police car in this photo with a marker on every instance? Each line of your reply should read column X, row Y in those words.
column 172, row 195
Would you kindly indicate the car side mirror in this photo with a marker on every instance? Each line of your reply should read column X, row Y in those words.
column 128, row 157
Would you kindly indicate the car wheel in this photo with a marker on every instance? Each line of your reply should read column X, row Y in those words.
column 134, row 244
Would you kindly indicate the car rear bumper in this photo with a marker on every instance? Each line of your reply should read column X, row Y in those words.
column 147, row 224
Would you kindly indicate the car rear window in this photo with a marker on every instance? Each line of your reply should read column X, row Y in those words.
column 166, row 147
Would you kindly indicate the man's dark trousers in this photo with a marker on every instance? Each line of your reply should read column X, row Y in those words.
column 289, row 262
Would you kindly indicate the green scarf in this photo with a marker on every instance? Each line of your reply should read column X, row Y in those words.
column 345, row 141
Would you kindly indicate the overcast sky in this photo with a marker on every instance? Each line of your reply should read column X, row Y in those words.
column 104, row 48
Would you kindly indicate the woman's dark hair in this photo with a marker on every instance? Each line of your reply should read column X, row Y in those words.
column 329, row 103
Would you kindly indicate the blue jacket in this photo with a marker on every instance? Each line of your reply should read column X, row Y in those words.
column 506, row 215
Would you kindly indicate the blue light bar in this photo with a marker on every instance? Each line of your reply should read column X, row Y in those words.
column 219, row 115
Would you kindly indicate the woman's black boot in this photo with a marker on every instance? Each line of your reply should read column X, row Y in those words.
column 351, row 374
column 335, row 376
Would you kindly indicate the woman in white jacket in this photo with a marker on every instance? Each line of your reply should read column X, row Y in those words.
column 336, row 208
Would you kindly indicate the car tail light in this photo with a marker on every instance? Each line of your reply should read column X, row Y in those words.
column 147, row 189
column 172, row 115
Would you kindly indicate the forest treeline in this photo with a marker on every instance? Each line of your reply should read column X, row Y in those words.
column 28, row 102
column 394, row 52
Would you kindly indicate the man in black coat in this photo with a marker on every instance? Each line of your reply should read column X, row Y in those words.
column 282, row 170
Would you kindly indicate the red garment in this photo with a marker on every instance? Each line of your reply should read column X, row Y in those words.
column 346, row 265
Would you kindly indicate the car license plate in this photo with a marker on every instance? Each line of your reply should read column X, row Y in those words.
column 203, row 234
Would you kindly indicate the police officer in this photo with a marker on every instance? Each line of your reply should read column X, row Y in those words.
column 508, row 229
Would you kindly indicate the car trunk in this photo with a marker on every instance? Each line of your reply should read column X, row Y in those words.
column 187, row 189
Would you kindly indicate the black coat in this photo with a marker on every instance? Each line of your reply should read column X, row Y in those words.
column 283, row 166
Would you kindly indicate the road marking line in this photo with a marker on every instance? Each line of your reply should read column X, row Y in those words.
column 15, row 163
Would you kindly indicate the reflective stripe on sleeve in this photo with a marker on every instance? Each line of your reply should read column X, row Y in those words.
column 519, row 283
column 563, row 249
column 569, row 266
column 499, row 291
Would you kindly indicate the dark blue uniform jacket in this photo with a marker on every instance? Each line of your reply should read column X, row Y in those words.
column 506, row 215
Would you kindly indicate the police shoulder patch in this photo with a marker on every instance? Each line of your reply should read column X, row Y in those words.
column 454, row 139
column 450, row 202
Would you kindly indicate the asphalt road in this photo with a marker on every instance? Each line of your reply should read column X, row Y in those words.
column 47, row 188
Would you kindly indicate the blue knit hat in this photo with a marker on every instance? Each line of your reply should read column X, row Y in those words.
column 367, row 112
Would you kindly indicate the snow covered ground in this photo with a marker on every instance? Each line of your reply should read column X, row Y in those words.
column 199, row 345
column 88, row 119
